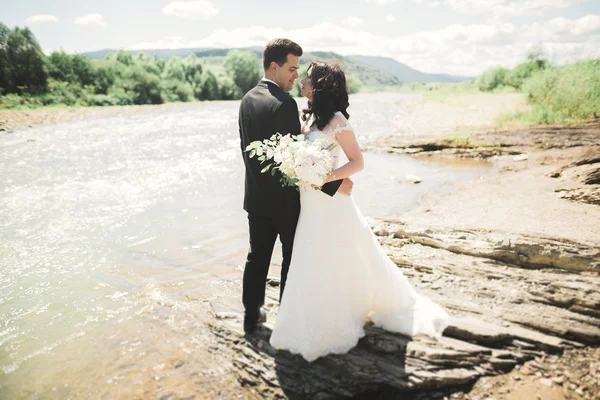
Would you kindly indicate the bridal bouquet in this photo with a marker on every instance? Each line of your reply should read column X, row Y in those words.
column 301, row 162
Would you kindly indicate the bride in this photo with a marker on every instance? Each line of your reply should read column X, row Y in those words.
column 339, row 276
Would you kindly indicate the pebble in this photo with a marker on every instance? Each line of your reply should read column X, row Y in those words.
column 413, row 179
column 558, row 379
column 546, row 382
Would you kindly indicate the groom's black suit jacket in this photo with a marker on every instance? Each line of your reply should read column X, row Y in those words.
column 264, row 111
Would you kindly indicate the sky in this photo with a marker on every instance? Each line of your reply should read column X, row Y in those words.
column 460, row 37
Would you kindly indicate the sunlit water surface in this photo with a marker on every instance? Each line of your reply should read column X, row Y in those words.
column 117, row 231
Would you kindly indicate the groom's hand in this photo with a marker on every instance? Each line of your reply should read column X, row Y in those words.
column 346, row 187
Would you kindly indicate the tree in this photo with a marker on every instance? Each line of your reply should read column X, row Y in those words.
column 106, row 73
column 244, row 68
column 184, row 91
column 492, row 79
column 23, row 68
column 209, row 87
column 228, row 90
column 193, row 69
column 5, row 68
column 122, row 56
column 82, row 69
column 74, row 69
column 144, row 85
column 174, row 69
column 149, row 63
column 537, row 54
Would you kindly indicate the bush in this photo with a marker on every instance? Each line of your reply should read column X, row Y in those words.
column 417, row 86
column 568, row 92
column 12, row 101
column 184, row 92
column 122, row 97
column 353, row 84
column 103, row 100
column 63, row 92
column 524, row 71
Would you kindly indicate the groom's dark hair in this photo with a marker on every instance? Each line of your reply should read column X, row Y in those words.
column 277, row 50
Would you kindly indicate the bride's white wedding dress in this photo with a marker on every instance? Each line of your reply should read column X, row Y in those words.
column 340, row 277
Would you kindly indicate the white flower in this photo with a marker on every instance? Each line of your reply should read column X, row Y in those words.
column 304, row 162
column 306, row 172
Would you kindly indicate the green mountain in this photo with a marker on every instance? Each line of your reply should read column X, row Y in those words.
column 369, row 76
column 405, row 73
column 167, row 53
column 373, row 72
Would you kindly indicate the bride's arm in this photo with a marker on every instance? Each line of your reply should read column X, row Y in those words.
column 347, row 141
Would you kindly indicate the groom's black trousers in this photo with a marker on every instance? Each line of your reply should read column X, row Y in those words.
column 263, row 233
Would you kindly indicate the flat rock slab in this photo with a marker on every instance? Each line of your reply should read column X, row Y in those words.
column 503, row 315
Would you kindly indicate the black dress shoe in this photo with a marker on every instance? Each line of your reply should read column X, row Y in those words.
column 251, row 321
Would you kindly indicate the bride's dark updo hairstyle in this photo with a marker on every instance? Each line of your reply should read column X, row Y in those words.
column 329, row 95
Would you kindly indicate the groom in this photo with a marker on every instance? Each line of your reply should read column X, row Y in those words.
column 272, row 209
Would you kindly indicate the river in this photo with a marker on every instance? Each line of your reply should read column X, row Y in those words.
column 117, row 231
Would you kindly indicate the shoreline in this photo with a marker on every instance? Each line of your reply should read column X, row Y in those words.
column 537, row 209
column 12, row 120
column 513, row 255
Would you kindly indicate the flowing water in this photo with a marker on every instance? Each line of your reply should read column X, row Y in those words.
column 117, row 231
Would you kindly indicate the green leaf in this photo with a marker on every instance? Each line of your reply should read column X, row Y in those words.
column 252, row 153
column 261, row 158
column 265, row 169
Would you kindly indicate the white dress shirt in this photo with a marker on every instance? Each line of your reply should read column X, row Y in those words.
column 268, row 80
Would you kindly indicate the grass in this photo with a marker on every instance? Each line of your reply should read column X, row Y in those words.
column 41, row 107
column 566, row 95
column 463, row 139
column 534, row 117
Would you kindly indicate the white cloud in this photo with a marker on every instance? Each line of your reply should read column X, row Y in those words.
column 42, row 19
column 454, row 49
column 352, row 22
column 504, row 8
column 391, row 18
column 195, row 10
column 91, row 19
column 587, row 25
column 382, row 2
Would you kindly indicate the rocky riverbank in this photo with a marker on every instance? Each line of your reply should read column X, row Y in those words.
column 513, row 256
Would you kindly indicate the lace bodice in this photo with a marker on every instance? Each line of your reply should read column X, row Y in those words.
column 338, row 124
